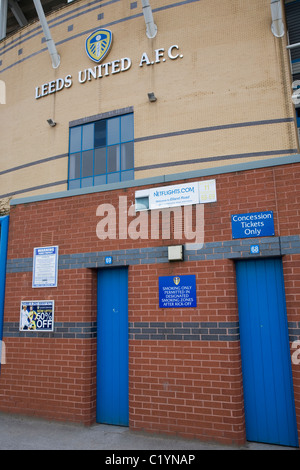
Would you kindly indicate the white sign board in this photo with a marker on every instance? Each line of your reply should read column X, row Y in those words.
column 199, row 192
column 207, row 191
column 172, row 196
column 45, row 266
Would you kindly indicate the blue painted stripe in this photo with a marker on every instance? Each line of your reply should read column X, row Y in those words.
column 84, row 33
column 36, row 162
column 217, row 158
column 34, row 188
column 169, row 134
column 131, row 183
column 154, row 180
column 69, row 15
column 215, row 128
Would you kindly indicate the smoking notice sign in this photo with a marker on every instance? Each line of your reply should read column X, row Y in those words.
column 177, row 291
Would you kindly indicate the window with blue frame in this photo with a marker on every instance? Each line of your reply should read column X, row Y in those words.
column 101, row 152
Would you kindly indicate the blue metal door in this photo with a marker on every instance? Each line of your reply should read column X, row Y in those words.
column 112, row 347
column 266, row 362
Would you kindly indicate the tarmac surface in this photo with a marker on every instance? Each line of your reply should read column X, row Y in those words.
column 26, row 433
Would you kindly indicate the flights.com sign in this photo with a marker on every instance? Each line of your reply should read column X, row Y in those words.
column 171, row 196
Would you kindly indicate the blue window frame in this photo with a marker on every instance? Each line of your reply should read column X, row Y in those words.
column 101, row 152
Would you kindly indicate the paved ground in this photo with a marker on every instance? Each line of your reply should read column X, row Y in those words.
column 23, row 433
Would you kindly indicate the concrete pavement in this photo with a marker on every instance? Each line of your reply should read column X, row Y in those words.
column 25, row 433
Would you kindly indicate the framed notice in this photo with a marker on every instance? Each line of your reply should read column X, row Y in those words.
column 45, row 266
column 37, row 315
column 177, row 291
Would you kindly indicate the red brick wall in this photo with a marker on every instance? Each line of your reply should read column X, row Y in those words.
column 51, row 377
column 188, row 387
column 192, row 388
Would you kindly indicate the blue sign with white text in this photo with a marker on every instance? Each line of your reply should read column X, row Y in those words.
column 177, row 291
column 254, row 250
column 256, row 224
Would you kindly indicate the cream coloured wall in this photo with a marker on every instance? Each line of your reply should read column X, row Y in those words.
column 226, row 98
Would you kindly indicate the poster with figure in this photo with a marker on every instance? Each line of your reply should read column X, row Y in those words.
column 37, row 315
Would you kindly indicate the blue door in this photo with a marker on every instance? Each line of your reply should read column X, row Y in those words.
column 266, row 362
column 112, row 347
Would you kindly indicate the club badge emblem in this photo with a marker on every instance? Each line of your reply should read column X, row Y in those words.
column 98, row 44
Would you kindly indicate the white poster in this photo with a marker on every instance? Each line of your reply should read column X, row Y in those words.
column 207, row 190
column 171, row 196
column 45, row 266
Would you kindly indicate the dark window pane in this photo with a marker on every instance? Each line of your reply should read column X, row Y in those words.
column 100, row 134
column 86, row 182
column 126, row 128
column 75, row 139
column 113, row 158
column 101, row 152
column 113, row 131
column 100, row 161
column 127, row 156
column 88, row 137
column 74, row 168
column 113, row 177
column 100, row 180
column 87, row 163
column 127, row 175
column 74, row 184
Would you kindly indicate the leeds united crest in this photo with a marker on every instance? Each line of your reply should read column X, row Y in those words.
column 98, row 44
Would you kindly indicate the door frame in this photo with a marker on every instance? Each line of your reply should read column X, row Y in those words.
column 285, row 360
column 123, row 352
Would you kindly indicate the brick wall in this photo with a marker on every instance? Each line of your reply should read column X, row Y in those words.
column 185, row 373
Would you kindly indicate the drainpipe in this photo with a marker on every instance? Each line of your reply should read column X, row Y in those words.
column 151, row 28
column 4, row 223
column 3, row 18
column 277, row 21
column 50, row 43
